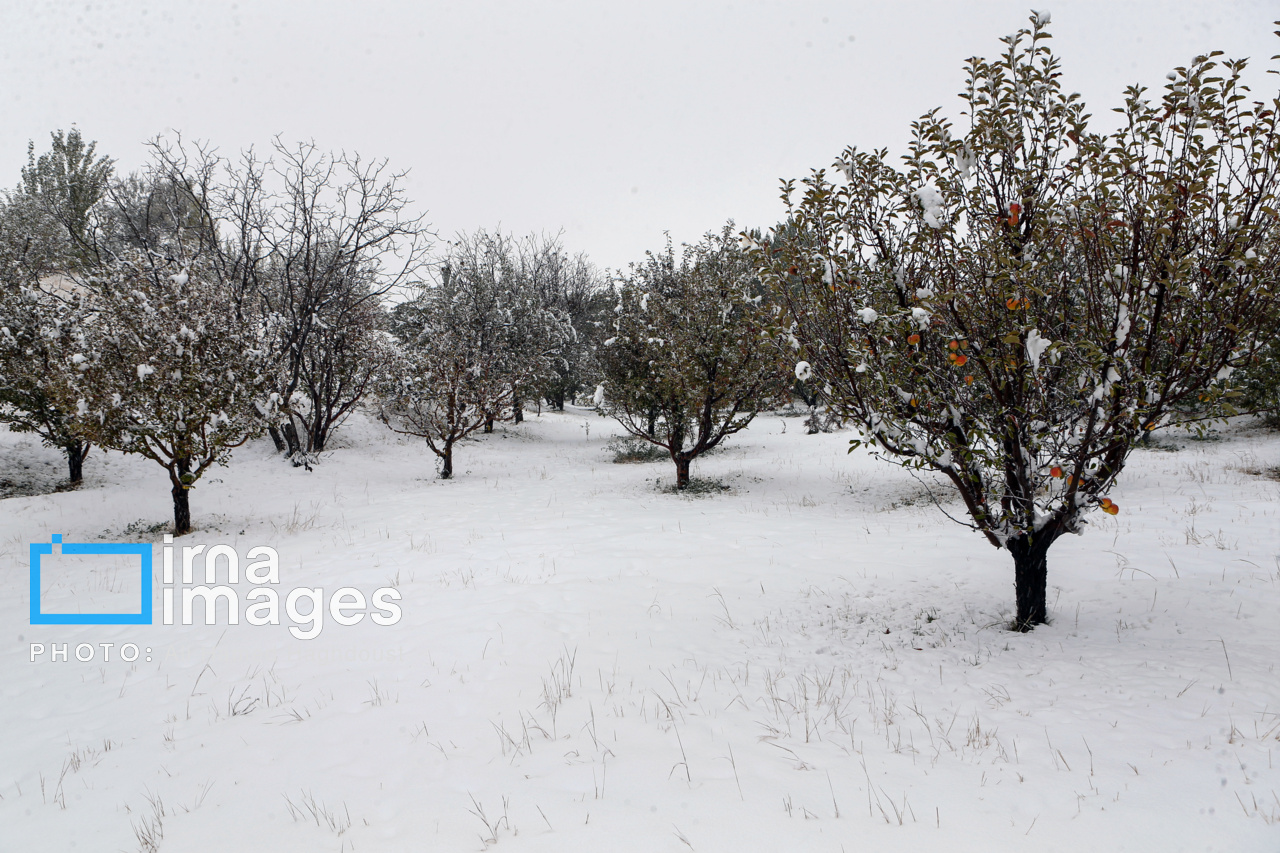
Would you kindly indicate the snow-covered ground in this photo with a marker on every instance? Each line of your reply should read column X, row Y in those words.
column 814, row 659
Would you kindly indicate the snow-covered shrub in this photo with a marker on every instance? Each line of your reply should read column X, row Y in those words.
column 1260, row 380
column 1020, row 302
column 626, row 450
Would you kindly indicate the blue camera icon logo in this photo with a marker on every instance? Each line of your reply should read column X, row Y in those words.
column 46, row 552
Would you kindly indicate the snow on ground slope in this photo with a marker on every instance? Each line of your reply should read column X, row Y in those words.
column 814, row 659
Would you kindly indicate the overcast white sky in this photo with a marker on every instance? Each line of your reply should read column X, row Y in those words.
column 611, row 121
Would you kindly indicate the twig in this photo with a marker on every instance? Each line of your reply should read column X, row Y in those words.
column 734, row 764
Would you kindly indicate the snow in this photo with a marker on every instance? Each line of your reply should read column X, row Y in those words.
column 804, row 371
column 1122, row 327
column 965, row 161
column 867, row 315
column 813, row 659
column 931, row 204
column 1036, row 346
column 828, row 272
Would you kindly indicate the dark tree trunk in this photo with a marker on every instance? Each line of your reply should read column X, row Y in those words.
column 276, row 438
column 446, row 462
column 517, row 406
column 181, row 511
column 291, row 438
column 653, row 422
column 488, row 423
column 557, row 401
column 319, row 435
column 810, row 399
column 1031, row 575
column 682, row 473
column 181, row 503
column 76, row 452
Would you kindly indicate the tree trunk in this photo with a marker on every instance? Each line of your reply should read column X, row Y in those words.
column 653, row 422
column 682, row 473
column 181, row 503
column 517, row 406
column 319, row 435
column 446, row 462
column 488, row 423
column 76, row 452
column 557, row 400
column 276, row 438
column 291, row 438
column 1031, row 575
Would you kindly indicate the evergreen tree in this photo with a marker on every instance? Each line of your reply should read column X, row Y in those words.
column 65, row 184
column 47, row 236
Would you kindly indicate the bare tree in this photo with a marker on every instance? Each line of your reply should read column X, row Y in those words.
column 335, row 238
column 311, row 242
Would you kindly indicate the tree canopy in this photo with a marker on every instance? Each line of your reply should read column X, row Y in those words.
column 1020, row 301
